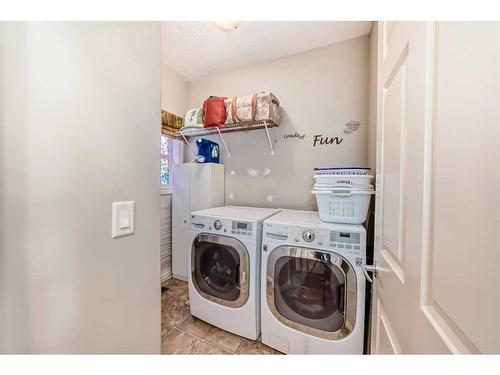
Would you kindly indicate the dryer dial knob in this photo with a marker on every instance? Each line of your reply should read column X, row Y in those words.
column 308, row 235
column 218, row 224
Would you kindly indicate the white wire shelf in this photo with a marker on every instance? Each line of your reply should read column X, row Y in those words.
column 227, row 128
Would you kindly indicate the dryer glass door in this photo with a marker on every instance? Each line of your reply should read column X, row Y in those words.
column 220, row 269
column 307, row 290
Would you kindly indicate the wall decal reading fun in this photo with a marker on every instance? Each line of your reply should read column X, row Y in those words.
column 319, row 139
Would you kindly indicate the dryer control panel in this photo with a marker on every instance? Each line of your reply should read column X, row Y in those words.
column 343, row 240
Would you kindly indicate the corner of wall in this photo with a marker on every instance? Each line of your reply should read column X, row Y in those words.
column 372, row 97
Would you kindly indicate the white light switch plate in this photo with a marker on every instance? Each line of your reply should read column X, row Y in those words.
column 122, row 222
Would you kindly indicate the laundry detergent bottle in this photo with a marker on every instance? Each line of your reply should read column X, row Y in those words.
column 207, row 151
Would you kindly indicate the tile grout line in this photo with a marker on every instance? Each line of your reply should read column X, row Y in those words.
column 193, row 336
column 203, row 340
column 196, row 347
column 211, row 343
column 179, row 300
column 175, row 327
column 200, row 340
column 217, row 346
column 190, row 335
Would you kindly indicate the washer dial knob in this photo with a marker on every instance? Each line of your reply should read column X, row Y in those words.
column 218, row 224
column 308, row 235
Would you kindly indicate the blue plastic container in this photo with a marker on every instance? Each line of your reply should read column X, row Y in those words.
column 208, row 151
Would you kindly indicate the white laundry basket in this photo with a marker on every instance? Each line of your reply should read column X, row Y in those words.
column 354, row 181
column 345, row 206
column 351, row 171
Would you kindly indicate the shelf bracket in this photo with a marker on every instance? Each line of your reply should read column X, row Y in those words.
column 223, row 142
column 269, row 140
column 189, row 146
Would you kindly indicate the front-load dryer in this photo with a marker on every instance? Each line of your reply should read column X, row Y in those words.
column 312, row 285
column 224, row 264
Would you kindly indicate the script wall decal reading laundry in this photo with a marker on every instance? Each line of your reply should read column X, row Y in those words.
column 320, row 140
column 294, row 135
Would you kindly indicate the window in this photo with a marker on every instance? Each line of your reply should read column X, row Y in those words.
column 165, row 154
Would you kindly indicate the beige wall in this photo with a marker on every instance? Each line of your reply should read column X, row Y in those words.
column 174, row 92
column 320, row 91
column 79, row 112
column 372, row 95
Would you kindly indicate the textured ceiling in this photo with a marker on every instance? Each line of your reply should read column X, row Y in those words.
column 196, row 49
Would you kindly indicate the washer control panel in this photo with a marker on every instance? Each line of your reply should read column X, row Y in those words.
column 218, row 224
column 308, row 235
column 345, row 241
column 241, row 227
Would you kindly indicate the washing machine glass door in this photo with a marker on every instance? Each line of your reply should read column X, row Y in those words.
column 312, row 291
column 220, row 269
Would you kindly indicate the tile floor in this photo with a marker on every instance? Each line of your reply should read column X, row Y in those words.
column 182, row 333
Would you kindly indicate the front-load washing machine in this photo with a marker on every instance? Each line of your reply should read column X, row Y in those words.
column 312, row 285
column 224, row 264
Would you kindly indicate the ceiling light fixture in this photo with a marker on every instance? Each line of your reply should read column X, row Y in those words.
column 228, row 25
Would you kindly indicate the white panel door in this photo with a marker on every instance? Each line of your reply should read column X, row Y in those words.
column 438, row 150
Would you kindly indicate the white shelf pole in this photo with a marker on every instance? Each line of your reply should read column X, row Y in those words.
column 224, row 143
column 269, row 140
column 189, row 146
